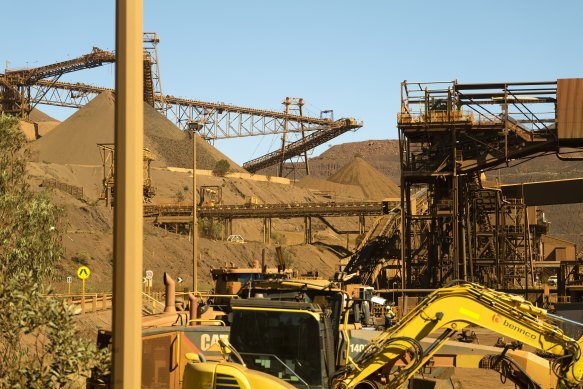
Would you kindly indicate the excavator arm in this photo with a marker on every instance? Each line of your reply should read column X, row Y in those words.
column 451, row 309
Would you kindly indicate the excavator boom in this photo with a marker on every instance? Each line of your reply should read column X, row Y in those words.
column 451, row 309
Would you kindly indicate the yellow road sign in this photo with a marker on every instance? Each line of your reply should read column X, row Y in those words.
column 83, row 272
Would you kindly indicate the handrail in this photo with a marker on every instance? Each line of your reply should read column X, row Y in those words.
column 144, row 294
column 222, row 323
column 202, row 294
column 155, row 304
column 66, row 295
column 90, row 299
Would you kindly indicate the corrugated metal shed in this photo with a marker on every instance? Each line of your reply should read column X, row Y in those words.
column 570, row 108
column 567, row 191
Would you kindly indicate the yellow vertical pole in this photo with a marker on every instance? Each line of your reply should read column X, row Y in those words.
column 69, row 286
column 194, row 218
column 150, row 291
column 83, row 295
column 128, row 224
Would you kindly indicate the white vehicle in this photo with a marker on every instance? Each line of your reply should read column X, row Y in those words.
column 235, row 239
column 552, row 281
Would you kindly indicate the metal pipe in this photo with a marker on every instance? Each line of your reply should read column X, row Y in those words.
column 287, row 103
column 561, row 318
column 170, row 291
column 562, row 158
column 128, row 213
column 193, row 308
column 194, row 217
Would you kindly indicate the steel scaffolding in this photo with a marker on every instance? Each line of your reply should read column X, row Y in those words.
column 449, row 133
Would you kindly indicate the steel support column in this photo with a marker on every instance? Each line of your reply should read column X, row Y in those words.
column 128, row 213
column 267, row 230
column 307, row 230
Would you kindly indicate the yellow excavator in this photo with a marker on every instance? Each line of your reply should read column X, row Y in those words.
column 282, row 344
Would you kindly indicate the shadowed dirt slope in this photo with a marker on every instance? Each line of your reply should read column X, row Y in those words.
column 75, row 140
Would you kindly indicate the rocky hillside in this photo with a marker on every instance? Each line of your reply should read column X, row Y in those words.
column 383, row 155
column 88, row 238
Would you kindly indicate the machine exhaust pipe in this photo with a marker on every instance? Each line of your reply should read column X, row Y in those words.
column 193, row 308
column 170, row 289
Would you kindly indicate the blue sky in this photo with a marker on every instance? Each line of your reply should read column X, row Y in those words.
column 349, row 56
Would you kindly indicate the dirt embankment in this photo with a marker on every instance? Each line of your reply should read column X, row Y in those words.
column 69, row 154
column 89, row 226
column 374, row 184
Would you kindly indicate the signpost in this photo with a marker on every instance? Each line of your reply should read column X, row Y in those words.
column 149, row 276
column 69, row 281
column 83, row 273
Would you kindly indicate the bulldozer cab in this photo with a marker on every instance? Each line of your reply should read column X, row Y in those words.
column 289, row 340
column 329, row 299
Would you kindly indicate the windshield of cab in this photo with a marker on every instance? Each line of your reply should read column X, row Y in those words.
column 283, row 344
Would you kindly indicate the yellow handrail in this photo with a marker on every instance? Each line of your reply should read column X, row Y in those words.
column 222, row 323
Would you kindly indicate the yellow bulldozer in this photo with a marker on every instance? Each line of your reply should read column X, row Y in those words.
column 298, row 333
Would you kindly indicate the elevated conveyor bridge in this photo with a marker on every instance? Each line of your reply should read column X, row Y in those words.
column 318, row 137
column 22, row 89
column 180, row 214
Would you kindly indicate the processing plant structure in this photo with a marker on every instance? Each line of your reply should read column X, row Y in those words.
column 23, row 89
column 452, row 224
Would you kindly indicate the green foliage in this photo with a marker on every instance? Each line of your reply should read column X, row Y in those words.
column 179, row 196
column 287, row 256
column 221, row 168
column 39, row 346
column 31, row 228
column 278, row 238
column 210, row 229
column 82, row 258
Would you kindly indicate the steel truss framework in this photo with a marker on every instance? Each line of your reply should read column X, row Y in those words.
column 220, row 121
column 22, row 90
column 16, row 95
column 301, row 146
column 448, row 134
